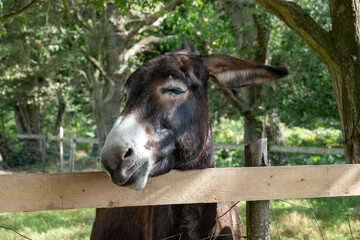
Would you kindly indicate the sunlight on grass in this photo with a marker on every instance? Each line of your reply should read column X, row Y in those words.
column 294, row 222
column 290, row 227
column 55, row 225
column 298, row 222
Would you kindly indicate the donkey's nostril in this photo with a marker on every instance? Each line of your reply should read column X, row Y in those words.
column 129, row 152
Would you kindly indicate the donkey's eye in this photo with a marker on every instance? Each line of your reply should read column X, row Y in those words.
column 172, row 89
column 176, row 91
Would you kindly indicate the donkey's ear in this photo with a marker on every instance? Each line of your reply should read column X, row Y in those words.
column 187, row 46
column 233, row 72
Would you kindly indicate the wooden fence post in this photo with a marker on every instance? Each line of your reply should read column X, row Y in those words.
column 72, row 151
column 257, row 212
column 44, row 148
column 61, row 149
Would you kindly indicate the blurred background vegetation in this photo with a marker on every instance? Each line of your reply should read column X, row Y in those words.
column 57, row 69
column 49, row 79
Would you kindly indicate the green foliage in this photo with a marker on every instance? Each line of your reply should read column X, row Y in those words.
column 318, row 137
column 326, row 137
column 228, row 131
column 40, row 60
column 37, row 66
column 229, row 158
column 205, row 25
column 231, row 131
column 306, row 97
column 318, row 10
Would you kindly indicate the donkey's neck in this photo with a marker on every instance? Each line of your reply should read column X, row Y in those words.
column 205, row 158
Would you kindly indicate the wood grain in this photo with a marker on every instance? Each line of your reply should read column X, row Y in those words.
column 35, row 192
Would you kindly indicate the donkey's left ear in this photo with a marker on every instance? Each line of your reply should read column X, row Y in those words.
column 233, row 72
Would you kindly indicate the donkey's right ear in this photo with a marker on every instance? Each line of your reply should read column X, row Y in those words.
column 233, row 72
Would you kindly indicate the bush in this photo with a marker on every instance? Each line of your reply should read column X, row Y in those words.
column 232, row 132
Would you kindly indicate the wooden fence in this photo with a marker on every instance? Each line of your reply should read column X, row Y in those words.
column 52, row 191
column 256, row 185
column 272, row 148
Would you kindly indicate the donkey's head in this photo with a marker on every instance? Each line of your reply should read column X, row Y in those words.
column 165, row 123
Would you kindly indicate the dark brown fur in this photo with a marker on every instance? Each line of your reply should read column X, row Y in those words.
column 180, row 137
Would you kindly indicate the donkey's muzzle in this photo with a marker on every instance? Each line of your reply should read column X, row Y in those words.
column 125, row 156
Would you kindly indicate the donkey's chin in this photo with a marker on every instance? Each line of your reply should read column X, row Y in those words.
column 137, row 180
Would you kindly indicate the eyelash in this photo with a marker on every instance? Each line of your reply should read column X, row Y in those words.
column 176, row 91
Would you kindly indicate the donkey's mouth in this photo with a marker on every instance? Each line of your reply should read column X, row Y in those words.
column 135, row 177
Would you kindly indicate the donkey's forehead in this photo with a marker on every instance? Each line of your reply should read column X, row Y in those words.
column 177, row 65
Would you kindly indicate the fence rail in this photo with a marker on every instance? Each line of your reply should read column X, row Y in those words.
column 54, row 138
column 35, row 192
column 272, row 148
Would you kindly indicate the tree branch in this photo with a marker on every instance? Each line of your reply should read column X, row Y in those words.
column 66, row 9
column 79, row 19
column 149, row 18
column 139, row 46
column 155, row 24
column 87, row 81
column 230, row 96
column 234, row 100
column 31, row 4
column 303, row 24
column 98, row 66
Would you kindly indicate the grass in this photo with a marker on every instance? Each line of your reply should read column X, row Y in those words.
column 54, row 225
column 298, row 223
column 294, row 222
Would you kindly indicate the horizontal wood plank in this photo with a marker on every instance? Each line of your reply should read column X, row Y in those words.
column 54, row 138
column 229, row 146
column 272, row 148
column 287, row 149
column 307, row 150
column 34, row 192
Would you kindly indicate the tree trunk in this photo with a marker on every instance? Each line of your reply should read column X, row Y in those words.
column 345, row 76
column 277, row 138
column 345, row 72
column 340, row 51
column 110, row 42
column 253, row 126
column 251, row 37
column 5, row 152
column 28, row 121
column 97, row 107
column 60, row 113
column 116, row 60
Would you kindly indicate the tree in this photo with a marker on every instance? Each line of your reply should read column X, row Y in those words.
column 339, row 48
column 305, row 98
column 251, row 28
column 251, row 36
column 206, row 25
column 113, row 34
column 31, row 60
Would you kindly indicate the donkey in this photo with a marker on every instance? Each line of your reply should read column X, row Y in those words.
column 165, row 125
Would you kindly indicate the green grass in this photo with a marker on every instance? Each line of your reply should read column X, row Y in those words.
column 54, row 225
column 294, row 222
column 298, row 222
